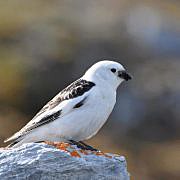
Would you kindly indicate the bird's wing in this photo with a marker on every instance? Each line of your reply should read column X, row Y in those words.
column 70, row 98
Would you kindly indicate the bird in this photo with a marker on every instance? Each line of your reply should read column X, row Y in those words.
column 77, row 112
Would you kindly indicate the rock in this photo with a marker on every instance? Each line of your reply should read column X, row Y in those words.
column 36, row 161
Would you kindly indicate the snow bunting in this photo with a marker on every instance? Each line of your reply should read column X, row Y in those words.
column 79, row 111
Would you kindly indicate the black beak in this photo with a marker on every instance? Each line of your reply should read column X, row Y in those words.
column 124, row 75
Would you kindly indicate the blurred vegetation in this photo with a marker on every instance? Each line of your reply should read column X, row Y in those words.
column 45, row 45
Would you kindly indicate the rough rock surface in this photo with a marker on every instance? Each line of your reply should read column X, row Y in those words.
column 42, row 161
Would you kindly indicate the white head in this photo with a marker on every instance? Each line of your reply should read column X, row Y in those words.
column 109, row 72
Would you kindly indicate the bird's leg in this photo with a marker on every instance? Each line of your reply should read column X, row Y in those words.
column 82, row 145
column 88, row 147
column 79, row 145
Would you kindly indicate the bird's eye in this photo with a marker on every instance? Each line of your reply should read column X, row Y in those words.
column 113, row 70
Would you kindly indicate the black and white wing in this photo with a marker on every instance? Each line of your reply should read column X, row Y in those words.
column 69, row 98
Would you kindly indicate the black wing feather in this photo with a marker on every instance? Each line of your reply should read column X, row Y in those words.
column 44, row 120
column 77, row 88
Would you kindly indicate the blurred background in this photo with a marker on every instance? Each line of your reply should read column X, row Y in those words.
column 45, row 45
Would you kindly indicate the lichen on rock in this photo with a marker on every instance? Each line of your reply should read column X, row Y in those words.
column 60, row 161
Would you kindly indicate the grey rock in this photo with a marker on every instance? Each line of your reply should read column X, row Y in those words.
column 35, row 161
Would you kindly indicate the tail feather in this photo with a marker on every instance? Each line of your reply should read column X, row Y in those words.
column 12, row 144
column 12, row 138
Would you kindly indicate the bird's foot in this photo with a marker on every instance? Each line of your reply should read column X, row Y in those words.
column 79, row 145
column 88, row 147
column 83, row 146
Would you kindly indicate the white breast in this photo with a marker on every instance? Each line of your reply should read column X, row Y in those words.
column 104, row 102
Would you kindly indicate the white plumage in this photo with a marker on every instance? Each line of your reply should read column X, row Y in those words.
column 79, row 111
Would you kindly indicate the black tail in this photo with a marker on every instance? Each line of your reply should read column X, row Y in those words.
column 12, row 144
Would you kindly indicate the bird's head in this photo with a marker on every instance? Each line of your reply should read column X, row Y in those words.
column 109, row 72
